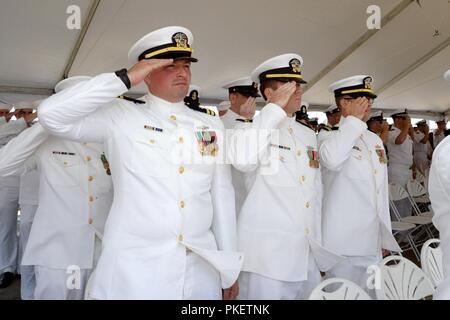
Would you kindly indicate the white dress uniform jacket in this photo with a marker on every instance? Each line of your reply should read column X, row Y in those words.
column 240, row 180
column 279, row 227
column 9, row 131
column 356, row 218
column 439, row 188
column 75, row 195
column 163, row 206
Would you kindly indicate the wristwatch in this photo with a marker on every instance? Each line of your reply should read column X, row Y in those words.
column 123, row 75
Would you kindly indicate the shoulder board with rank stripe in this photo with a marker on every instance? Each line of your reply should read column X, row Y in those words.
column 304, row 124
column 131, row 99
column 245, row 120
column 203, row 110
column 325, row 127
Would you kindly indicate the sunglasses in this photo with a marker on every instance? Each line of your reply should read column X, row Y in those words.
column 370, row 100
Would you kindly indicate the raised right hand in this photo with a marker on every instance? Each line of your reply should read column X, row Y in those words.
column 282, row 95
column 356, row 107
column 248, row 109
column 140, row 70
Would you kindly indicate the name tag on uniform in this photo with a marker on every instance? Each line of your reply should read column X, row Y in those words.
column 313, row 156
column 64, row 153
column 153, row 128
column 280, row 147
column 381, row 154
column 207, row 142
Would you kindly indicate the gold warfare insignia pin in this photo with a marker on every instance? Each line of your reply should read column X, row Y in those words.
column 368, row 83
column 180, row 39
column 295, row 65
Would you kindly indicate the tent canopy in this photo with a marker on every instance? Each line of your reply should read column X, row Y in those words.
column 407, row 56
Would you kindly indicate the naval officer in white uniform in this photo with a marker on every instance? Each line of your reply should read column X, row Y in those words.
column 171, row 231
column 356, row 218
column 75, row 195
column 279, row 226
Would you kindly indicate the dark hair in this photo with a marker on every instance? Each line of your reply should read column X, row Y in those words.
column 267, row 84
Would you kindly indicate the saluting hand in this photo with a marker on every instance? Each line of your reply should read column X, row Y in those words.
column 356, row 107
column 282, row 95
column 140, row 70
column 248, row 109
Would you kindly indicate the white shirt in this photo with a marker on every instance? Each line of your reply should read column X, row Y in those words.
column 400, row 153
column 168, row 198
column 356, row 218
column 8, row 131
column 75, row 194
column 279, row 227
column 439, row 188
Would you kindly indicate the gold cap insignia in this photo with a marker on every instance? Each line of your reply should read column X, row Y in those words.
column 295, row 65
column 368, row 83
column 180, row 39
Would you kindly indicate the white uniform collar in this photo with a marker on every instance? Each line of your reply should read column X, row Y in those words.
column 162, row 106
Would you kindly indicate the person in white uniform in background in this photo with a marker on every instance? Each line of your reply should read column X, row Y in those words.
column 28, row 203
column 439, row 133
column 9, row 201
column 333, row 114
column 279, row 226
column 171, row 231
column 439, row 189
column 242, row 95
column 75, row 195
column 401, row 165
column 378, row 125
column 356, row 219
column 422, row 149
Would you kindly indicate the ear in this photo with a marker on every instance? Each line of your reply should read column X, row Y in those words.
column 268, row 92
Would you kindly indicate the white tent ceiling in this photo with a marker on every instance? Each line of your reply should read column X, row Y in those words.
column 231, row 38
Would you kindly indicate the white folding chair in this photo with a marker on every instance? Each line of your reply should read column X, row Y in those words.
column 417, row 192
column 402, row 280
column 431, row 260
column 420, row 178
column 342, row 289
column 405, row 227
column 397, row 193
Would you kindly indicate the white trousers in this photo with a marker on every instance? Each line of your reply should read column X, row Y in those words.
column 356, row 269
column 253, row 286
column 27, row 280
column 9, row 197
column 60, row 284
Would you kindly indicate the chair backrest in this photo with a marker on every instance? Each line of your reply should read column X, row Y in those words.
column 402, row 281
column 415, row 189
column 420, row 177
column 431, row 259
column 338, row 289
column 397, row 192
